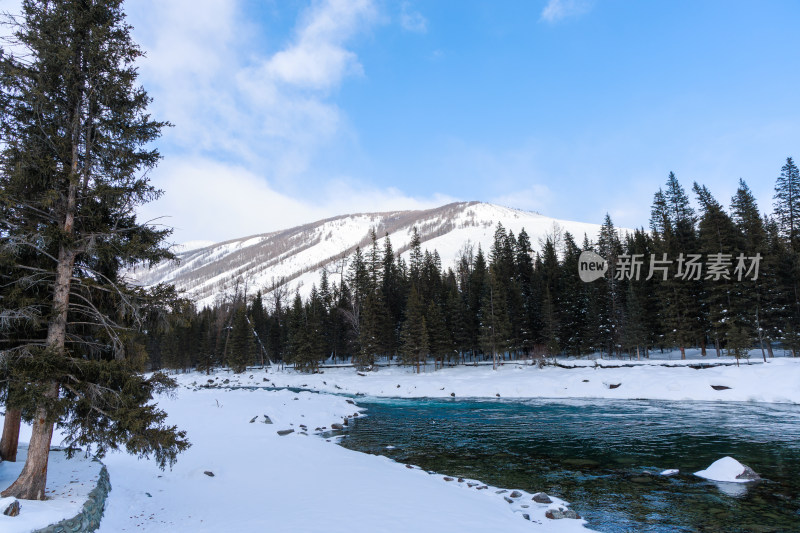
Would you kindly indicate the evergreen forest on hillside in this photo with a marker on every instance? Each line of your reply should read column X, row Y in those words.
column 511, row 302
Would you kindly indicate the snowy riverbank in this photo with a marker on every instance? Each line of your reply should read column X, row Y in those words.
column 69, row 483
column 776, row 381
column 263, row 481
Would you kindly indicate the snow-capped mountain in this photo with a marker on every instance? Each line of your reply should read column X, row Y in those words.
column 295, row 257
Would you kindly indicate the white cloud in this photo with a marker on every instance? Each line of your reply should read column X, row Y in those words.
column 412, row 20
column 268, row 109
column 317, row 58
column 230, row 98
column 208, row 200
column 556, row 10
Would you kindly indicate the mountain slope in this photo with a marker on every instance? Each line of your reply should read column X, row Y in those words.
column 295, row 257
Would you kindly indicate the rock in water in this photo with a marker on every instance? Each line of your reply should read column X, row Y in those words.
column 337, row 426
column 748, row 474
column 12, row 509
column 558, row 514
column 730, row 470
column 670, row 472
column 541, row 497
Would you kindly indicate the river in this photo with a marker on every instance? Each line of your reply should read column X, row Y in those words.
column 604, row 456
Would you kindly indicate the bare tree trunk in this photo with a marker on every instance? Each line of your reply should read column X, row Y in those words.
column 683, row 352
column 30, row 484
column 10, row 440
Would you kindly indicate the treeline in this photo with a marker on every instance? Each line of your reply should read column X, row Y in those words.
column 723, row 280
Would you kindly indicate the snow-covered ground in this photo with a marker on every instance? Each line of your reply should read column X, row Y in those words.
column 263, row 481
column 777, row 380
column 68, row 485
column 305, row 482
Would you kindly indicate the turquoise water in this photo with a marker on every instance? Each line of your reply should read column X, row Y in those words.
column 599, row 455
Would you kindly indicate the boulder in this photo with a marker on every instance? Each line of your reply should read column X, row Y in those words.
column 730, row 470
column 336, row 425
column 253, row 419
column 558, row 514
column 283, row 432
column 509, row 500
column 267, row 420
column 515, row 494
column 541, row 497
column 12, row 509
column 209, row 473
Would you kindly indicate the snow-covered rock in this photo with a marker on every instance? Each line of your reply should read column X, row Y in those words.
column 729, row 470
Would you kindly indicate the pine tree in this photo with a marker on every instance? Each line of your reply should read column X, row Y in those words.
column 74, row 162
column 787, row 215
column 753, row 241
column 414, row 335
column 678, row 296
column 634, row 334
column 573, row 309
column 495, row 325
column 787, row 203
column 374, row 335
column 415, row 259
column 717, row 235
column 440, row 343
column 457, row 321
column 242, row 345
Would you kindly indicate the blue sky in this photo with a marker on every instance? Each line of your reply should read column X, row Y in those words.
column 290, row 111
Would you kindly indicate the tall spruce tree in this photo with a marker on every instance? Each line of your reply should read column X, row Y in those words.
column 752, row 235
column 721, row 300
column 787, row 202
column 414, row 335
column 74, row 158
column 242, row 345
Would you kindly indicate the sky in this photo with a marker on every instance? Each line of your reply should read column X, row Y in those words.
column 289, row 111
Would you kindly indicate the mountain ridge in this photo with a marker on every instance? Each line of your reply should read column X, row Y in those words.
column 294, row 257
